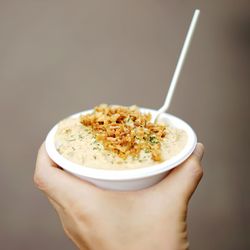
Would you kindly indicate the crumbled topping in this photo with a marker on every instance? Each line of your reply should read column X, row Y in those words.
column 125, row 131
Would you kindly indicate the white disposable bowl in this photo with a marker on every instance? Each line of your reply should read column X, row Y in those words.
column 124, row 180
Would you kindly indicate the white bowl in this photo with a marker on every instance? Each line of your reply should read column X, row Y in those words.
column 124, row 180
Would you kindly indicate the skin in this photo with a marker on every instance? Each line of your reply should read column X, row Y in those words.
column 94, row 219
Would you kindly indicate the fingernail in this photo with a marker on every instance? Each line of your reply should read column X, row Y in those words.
column 199, row 151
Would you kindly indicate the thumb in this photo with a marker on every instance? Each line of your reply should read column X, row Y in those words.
column 58, row 185
column 183, row 180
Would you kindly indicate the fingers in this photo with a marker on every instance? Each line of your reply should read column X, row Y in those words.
column 60, row 186
column 199, row 151
column 183, row 180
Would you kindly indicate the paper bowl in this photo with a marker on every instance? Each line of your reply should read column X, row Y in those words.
column 125, row 180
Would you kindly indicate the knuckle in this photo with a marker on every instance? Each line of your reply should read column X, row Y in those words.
column 39, row 181
column 196, row 169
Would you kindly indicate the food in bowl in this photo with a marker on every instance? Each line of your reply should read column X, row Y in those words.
column 117, row 137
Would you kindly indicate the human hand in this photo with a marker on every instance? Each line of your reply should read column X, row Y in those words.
column 97, row 219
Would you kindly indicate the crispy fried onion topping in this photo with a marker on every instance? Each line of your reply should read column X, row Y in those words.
column 125, row 131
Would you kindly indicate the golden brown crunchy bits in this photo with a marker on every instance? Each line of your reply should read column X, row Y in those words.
column 125, row 131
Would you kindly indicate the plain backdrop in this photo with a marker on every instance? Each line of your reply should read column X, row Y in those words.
column 61, row 57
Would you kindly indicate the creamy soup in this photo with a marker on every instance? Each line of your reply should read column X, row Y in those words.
column 83, row 140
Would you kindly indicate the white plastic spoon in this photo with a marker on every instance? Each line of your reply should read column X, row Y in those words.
column 178, row 66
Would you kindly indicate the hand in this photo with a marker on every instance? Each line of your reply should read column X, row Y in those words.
column 96, row 219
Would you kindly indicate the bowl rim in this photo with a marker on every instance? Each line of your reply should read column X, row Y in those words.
column 124, row 174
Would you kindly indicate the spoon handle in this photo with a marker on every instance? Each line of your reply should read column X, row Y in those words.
column 179, row 65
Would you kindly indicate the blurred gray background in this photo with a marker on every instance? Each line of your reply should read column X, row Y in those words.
column 60, row 57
